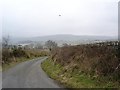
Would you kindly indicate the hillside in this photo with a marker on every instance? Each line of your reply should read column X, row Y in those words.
column 62, row 38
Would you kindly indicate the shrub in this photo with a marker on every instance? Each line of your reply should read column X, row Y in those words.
column 99, row 59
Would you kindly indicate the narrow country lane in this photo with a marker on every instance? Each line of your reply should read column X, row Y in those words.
column 28, row 74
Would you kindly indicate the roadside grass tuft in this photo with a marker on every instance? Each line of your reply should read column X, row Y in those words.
column 51, row 69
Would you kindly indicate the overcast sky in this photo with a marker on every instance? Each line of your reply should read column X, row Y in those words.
column 29, row 18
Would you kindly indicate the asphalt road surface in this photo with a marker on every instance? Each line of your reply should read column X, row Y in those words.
column 28, row 74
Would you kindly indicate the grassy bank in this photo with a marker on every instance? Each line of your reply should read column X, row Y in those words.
column 74, row 79
column 15, row 56
column 96, row 65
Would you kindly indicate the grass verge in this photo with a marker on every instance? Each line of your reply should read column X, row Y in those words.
column 73, row 79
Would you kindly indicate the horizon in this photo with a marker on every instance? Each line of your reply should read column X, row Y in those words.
column 59, row 35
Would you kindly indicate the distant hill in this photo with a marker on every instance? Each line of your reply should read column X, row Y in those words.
column 71, row 37
column 62, row 38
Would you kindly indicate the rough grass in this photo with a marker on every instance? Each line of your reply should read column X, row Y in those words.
column 96, row 60
column 90, row 65
column 73, row 79
column 51, row 69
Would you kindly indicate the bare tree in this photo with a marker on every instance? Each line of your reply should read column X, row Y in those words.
column 65, row 45
column 5, row 42
column 50, row 44
column 39, row 46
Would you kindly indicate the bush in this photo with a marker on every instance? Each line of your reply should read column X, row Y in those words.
column 6, row 55
column 99, row 59
column 9, row 55
column 19, row 52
